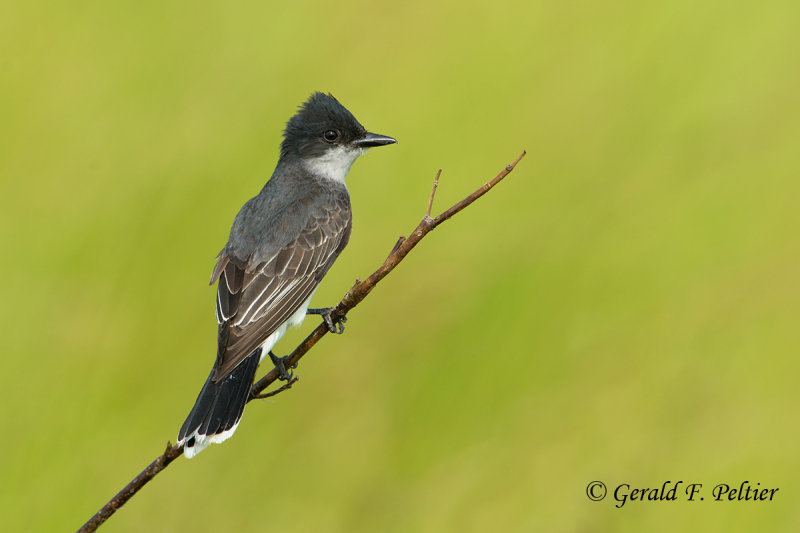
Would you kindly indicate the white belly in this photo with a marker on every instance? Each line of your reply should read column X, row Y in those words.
column 294, row 320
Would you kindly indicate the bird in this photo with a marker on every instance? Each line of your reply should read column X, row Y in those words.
column 282, row 243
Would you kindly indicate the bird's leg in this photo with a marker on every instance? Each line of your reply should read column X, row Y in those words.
column 280, row 364
column 326, row 312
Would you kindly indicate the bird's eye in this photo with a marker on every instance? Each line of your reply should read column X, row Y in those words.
column 330, row 135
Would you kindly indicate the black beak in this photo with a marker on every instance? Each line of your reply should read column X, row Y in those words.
column 373, row 139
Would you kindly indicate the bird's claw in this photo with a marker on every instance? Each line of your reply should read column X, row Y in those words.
column 280, row 364
column 326, row 312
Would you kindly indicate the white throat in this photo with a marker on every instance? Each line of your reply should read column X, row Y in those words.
column 334, row 164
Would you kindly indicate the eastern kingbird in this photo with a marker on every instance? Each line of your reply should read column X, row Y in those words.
column 282, row 243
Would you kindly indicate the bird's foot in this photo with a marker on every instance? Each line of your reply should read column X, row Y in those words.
column 326, row 312
column 280, row 364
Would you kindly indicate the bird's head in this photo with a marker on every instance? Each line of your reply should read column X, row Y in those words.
column 325, row 137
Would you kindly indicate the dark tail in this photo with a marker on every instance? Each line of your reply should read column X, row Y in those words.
column 218, row 408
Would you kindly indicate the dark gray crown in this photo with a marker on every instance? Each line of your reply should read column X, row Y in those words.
column 303, row 136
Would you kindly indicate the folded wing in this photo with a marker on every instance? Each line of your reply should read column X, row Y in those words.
column 253, row 300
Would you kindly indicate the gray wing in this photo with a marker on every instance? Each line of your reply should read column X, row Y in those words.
column 253, row 300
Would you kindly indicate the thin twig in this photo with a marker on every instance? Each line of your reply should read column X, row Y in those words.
column 397, row 245
column 433, row 192
column 353, row 297
column 275, row 392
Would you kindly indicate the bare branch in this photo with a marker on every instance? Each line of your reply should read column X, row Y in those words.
column 478, row 193
column 353, row 297
column 159, row 464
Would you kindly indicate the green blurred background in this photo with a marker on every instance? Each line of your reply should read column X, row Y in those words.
column 624, row 307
